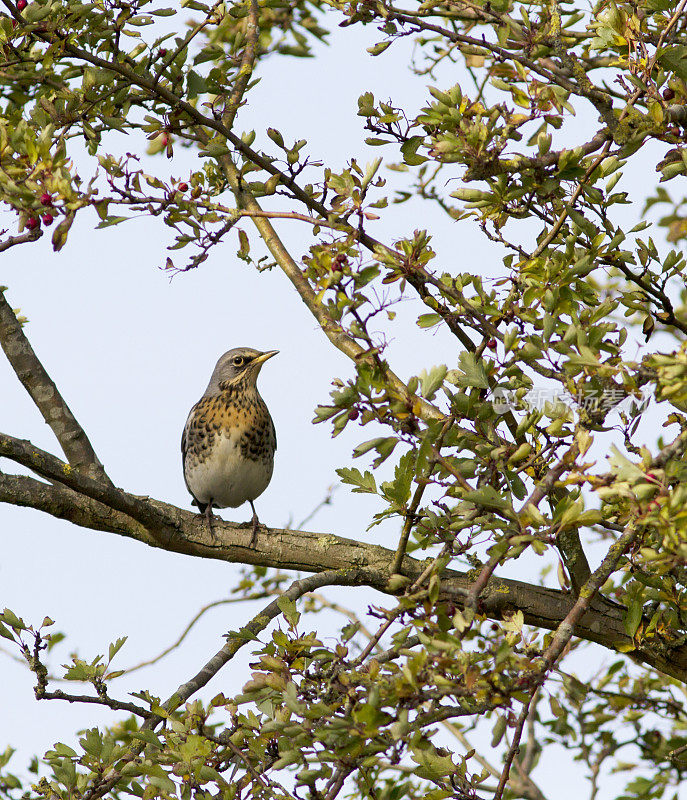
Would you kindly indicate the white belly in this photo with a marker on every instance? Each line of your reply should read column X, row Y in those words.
column 225, row 477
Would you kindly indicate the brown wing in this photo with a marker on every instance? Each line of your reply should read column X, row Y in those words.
column 185, row 449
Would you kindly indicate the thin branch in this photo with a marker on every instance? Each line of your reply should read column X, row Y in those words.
column 411, row 512
column 568, row 541
column 513, row 749
column 186, row 41
column 566, row 629
column 558, row 224
column 497, row 50
column 248, row 633
column 544, row 487
column 264, row 782
column 414, row 587
column 326, row 501
column 189, row 627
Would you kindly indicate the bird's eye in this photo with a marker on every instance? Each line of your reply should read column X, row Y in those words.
column 237, row 361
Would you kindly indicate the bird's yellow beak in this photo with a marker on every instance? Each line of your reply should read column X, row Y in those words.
column 264, row 356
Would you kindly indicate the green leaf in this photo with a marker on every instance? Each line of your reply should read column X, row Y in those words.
column 624, row 468
column 115, row 647
column 675, row 59
column 366, row 104
column 288, row 609
column 195, row 84
column 384, row 445
column 379, row 48
column 409, row 151
column 471, row 372
column 633, row 617
column 498, row 730
column 431, row 765
column 5, row 633
column 106, row 223
column 428, row 320
column 489, row 498
column 10, row 618
column 398, row 490
column 431, row 381
column 364, row 483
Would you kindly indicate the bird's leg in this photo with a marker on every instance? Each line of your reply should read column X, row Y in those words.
column 256, row 524
column 208, row 517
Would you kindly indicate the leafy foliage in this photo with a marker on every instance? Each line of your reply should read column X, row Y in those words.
column 490, row 459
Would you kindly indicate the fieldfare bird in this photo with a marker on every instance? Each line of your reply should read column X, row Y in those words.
column 229, row 439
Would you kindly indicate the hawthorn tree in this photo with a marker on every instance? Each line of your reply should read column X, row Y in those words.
column 530, row 442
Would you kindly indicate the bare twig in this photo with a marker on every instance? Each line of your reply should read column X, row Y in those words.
column 29, row 236
column 326, row 501
column 115, row 705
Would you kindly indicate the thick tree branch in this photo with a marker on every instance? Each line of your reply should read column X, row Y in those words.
column 108, row 508
column 42, row 390
column 50, row 467
column 63, row 503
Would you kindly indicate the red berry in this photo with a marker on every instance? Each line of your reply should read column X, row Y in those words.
column 47, row 219
column 339, row 262
column 46, row 199
column 32, row 223
column 183, row 187
column 491, row 344
column 674, row 130
column 668, row 93
column 353, row 414
column 21, row 4
column 163, row 51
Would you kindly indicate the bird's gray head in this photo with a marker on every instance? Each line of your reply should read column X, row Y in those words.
column 237, row 367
